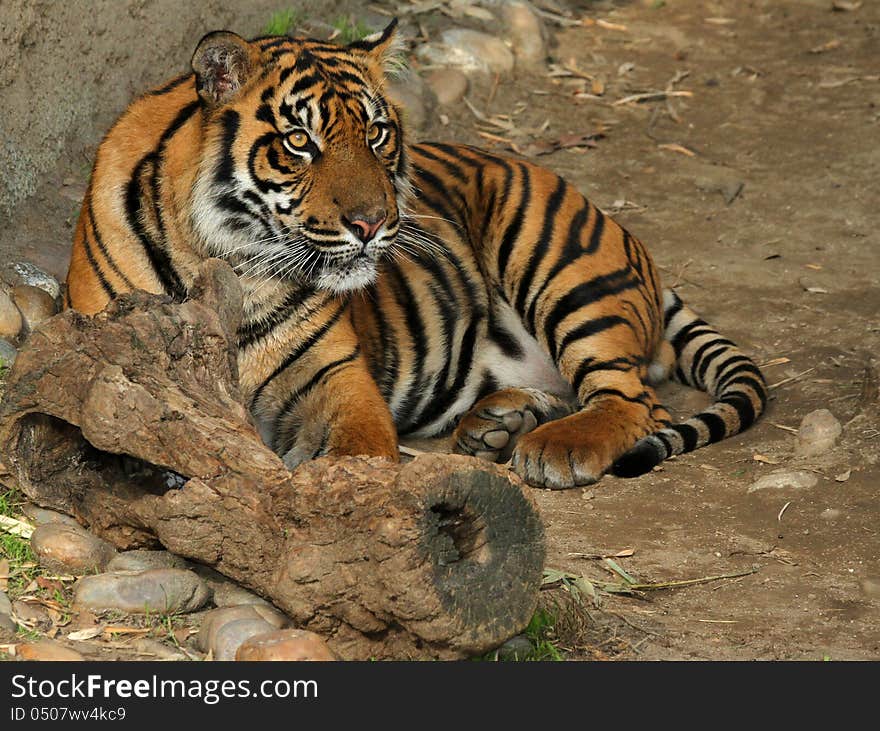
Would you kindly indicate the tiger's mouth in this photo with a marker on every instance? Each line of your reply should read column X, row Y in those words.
column 351, row 269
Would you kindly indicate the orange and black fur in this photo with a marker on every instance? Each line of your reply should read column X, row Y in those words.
column 394, row 288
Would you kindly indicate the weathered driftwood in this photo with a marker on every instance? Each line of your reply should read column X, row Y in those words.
column 440, row 557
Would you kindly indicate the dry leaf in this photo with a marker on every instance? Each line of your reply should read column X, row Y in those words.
column 830, row 46
column 843, row 476
column 775, row 362
column 844, row 6
column 85, row 634
column 720, row 21
column 764, row 459
column 681, row 149
column 597, row 87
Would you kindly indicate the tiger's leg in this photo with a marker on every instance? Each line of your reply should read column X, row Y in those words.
column 578, row 449
column 342, row 414
column 491, row 428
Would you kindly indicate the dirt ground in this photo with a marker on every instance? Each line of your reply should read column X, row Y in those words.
column 784, row 99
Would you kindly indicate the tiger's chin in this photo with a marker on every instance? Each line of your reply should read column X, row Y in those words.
column 350, row 276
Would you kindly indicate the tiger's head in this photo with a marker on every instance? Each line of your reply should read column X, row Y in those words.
column 303, row 171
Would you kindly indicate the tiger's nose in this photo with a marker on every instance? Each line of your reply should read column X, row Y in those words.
column 365, row 224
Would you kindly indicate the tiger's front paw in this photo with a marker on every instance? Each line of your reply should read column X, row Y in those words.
column 492, row 428
column 559, row 456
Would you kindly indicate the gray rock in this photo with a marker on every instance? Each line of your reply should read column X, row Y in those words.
column 141, row 560
column 232, row 635
column 42, row 516
column 410, row 94
column 448, row 85
column 7, row 625
column 229, row 594
column 35, row 304
column 164, row 591
column 5, row 604
column 798, row 479
column 469, row 50
column 516, row 648
column 8, row 353
column 214, row 620
column 525, row 31
column 11, row 321
column 70, row 549
column 817, row 434
column 830, row 514
column 23, row 272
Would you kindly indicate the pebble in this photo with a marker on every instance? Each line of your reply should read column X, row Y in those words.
column 285, row 645
column 47, row 650
column 10, row 318
column 469, row 50
column 830, row 514
column 8, row 353
column 164, row 591
column 35, row 304
column 41, row 516
column 70, row 549
column 5, row 604
column 525, row 31
column 23, row 272
column 516, row 648
column 214, row 620
column 142, row 560
column 871, row 586
column 448, row 85
column 232, row 635
column 817, row 434
column 799, row 479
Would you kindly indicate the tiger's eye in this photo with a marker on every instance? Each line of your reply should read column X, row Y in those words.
column 298, row 139
column 374, row 132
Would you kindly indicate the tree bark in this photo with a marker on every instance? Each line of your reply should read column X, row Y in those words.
column 437, row 558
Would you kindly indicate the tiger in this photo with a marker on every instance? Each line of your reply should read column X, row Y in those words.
column 394, row 289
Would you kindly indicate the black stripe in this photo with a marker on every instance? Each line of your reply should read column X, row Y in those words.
column 586, row 330
column 672, row 310
column 171, row 85
column 297, row 353
column 585, row 294
column 105, row 285
column 540, row 247
column 715, row 424
column 688, row 434
column 511, row 232
column 571, row 251
column 699, row 365
column 743, row 406
column 251, row 332
column 686, row 334
column 591, row 365
column 440, row 403
column 596, row 235
column 291, row 401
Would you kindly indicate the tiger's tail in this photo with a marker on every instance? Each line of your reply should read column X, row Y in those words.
column 707, row 361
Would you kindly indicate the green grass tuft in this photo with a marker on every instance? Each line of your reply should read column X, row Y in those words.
column 283, row 22
column 350, row 30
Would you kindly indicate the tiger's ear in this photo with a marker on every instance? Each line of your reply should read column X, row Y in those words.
column 223, row 62
column 384, row 47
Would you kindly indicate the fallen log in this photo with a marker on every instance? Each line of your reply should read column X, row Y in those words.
column 105, row 417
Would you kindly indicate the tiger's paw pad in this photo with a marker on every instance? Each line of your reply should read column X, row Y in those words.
column 492, row 432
